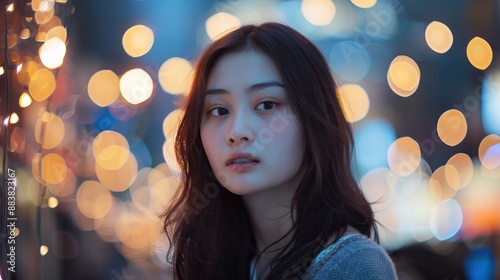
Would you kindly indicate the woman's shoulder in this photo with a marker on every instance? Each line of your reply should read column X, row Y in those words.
column 353, row 256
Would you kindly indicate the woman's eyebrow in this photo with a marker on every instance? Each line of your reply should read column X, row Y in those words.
column 254, row 87
column 264, row 85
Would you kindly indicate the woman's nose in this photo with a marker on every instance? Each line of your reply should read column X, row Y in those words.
column 241, row 129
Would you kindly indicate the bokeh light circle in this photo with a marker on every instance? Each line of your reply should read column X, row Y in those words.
column 25, row 100
column 354, row 101
column 104, row 88
column 318, row 12
column 479, row 53
column 52, row 53
column 459, row 171
column 49, row 130
column 120, row 179
column 404, row 156
column 44, row 17
column 93, row 199
column 489, row 151
column 403, row 76
column 439, row 186
column 57, row 32
column 54, row 168
column 452, row 127
column 171, row 123
column 446, row 219
column 365, row 4
column 42, row 84
column 136, row 86
column 175, row 75
column 439, row 37
column 111, row 150
column 221, row 23
column 138, row 40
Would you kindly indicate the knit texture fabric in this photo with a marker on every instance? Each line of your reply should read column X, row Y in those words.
column 352, row 257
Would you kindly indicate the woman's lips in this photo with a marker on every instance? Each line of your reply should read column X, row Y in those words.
column 239, row 162
column 242, row 166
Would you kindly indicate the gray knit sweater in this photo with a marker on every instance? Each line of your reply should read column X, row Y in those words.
column 353, row 256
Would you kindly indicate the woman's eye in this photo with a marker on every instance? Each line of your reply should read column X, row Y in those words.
column 219, row 111
column 266, row 105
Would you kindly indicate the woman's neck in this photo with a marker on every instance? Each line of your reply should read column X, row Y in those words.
column 271, row 219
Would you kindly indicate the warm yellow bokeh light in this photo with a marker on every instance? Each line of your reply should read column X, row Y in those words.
column 52, row 53
column 2, row 70
column 17, row 142
column 14, row 118
column 138, row 40
column 57, row 32
column 25, row 34
column 44, row 17
column 452, row 127
column 66, row 187
column 10, row 7
column 40, row 36
column 120, row 179
column 221, row 23
column 171, row 123
column 439, row 187
column 54, row 168
column 365, row 4
column 104, row 88
column 52, row 202
column 93, row 199
column 162, row 193
column 318, row 12
column 479, row 53
column 170, row 127
column 169, row 156
column 378, row 188
column 42, row 5
column 136, row 86
column 403, row 76
column 142, row 199
column 24, row 100
column 489, row 151
column 12, row 41
column 113, row 157
column 459, row 171
column 42, row 84
column 49, row 130
column 439, row 37
column 354, row 101
column 175, row 75
column 26, row 71
column 404, row 156
column 110, row 146
column 132, row 230
column 44, row 250
column 44, row 28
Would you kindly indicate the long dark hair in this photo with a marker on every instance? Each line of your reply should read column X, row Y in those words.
column 208, row 226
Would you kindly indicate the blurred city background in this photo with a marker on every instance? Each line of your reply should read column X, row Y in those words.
column 88, row 91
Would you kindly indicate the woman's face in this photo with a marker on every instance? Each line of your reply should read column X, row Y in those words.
column 252, row 138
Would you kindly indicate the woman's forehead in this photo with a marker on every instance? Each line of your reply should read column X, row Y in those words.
column 242, row 68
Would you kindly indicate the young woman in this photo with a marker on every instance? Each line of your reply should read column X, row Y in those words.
column 267, row 191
